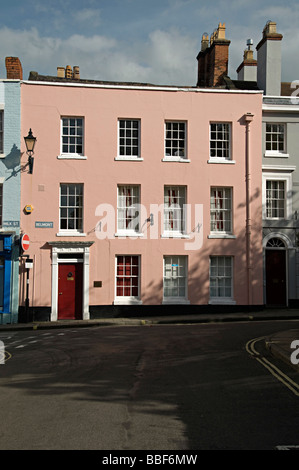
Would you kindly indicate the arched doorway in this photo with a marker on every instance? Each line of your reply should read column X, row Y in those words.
column 276, row 272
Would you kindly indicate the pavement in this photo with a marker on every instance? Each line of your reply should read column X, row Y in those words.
column 279, row 344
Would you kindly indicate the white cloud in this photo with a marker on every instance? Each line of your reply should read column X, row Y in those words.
column 88, row 16
column 166, row 58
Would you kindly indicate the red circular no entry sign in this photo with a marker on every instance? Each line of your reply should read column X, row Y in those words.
column 25, row 242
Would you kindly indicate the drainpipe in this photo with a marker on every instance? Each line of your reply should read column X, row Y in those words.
column 248, row 120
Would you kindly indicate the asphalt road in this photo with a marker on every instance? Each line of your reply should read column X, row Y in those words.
column 172, row 387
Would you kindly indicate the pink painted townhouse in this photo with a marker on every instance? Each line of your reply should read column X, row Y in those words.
column 142, row 198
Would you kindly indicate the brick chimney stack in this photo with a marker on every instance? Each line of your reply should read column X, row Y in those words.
column 14, row 69
column 213, row 58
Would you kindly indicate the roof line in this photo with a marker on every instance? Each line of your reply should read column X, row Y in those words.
column 142, row 87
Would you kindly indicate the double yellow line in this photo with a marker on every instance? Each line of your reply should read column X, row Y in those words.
column 275, row 371
column 4, row 356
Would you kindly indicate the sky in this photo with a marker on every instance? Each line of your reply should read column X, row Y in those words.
column 148, row 41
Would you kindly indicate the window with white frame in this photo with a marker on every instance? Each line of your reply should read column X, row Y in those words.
column 129, row 138
column 175, row 278
column 128, row 277
column 174, row 210
column 221, row 210
column 1, row 131
column 175, row 140
column 72, row 135
column 221, row 277
column 128, row 208
column 275, row 138
column 275, row 199
column 71, row 208
column 220, row 138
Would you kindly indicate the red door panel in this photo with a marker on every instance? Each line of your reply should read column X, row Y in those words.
column 70, row 291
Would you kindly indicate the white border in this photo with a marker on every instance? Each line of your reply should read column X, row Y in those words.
column 55, row 262
column 279, row 176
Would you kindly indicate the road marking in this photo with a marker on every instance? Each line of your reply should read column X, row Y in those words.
column 287, row 447
column 4, row 356
column 275, row 371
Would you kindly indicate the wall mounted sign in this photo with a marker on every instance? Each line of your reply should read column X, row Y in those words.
column 25, row 242
column 11, row 223
column 43, row 224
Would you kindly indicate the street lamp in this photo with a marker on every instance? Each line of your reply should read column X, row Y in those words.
column 30, row 143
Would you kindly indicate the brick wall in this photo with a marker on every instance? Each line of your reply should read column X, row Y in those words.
column 14, row 69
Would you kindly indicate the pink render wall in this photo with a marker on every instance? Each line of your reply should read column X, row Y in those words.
column 42, row 108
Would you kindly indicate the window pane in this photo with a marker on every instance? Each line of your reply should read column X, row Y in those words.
column 71, row 207
column 175, row 139
column 127, row 276
column 175, row 276
column 128, row 138
column 221, row 276
column 72, row 135
column 220, row 140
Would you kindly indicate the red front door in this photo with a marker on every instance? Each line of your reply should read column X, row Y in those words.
column 70, row 291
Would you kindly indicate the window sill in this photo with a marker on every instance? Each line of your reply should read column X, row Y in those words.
column 175, row 300
column 2, row 155
column 221, row 160
column 128, row 159
column 71, row 156
column 269, row 153
column 222, row 300
column 128, row 301
column 174, row 235
column 129, row 234
column 70, row 234
column 221, row 235
column 176, row 159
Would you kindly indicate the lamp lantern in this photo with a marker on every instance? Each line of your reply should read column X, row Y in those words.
column 30, row 144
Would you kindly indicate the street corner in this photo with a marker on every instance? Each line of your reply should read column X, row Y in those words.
column 285, row 347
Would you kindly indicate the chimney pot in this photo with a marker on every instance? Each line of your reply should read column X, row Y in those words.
column 60, row 72
column 68, row 72
column 221, row 31
column 270, row 28
column 76, row 72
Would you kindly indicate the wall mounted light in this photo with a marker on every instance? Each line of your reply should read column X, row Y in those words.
column 30, row 143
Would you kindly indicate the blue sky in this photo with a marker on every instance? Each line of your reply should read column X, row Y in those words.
column 154, row 41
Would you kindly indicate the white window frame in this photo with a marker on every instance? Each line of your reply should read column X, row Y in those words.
column 175, row 211
column 169, row 135
column 215, row 158
column 276, row 153
column 130, row 211
column 128, row 300
column 131, row 137
column 223, row 210
column 278, row 176
column 218, row 299
column 72, row 155
column 274, row 202
column 182, row 262
column 70, row 232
